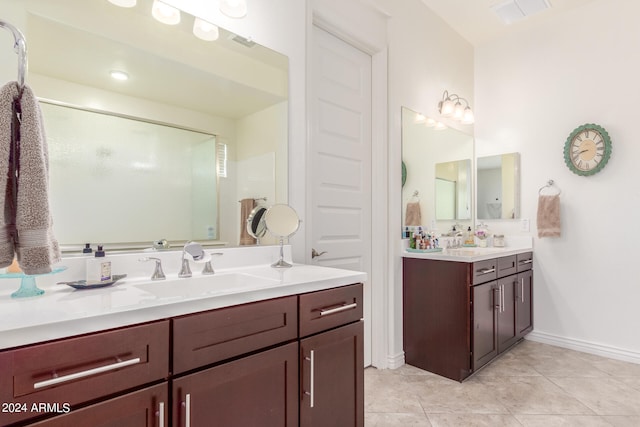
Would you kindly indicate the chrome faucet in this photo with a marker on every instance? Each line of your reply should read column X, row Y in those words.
column 158, row 274
column 208, row 269
column 195, row 252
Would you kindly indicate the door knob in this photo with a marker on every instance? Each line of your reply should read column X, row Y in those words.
column 315, row 253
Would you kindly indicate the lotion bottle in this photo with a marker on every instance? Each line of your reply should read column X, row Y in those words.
column 98, row 268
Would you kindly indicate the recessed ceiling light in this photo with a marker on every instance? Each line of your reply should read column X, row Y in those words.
column 164, row 13
column 119, row 75
column 205, row 30
column 234, row 8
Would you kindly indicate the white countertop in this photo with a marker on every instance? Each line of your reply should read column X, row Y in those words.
column 63, row 311
column 515, row 245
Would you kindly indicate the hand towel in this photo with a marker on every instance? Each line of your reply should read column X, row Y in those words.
column 7, row 202
column 246, row 206
column 413, row 216
column 34, row 242
column 548, row 216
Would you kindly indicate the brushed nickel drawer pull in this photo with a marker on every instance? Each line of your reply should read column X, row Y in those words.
column 161, row 414
column 187, row 410
column 526, row 261
column 486, row 270
column 311, row 359
column 87, row 373
column 345, row 307
column 522, row 289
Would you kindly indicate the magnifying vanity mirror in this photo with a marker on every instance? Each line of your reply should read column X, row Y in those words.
column 256, row 226
column 498, row 186
column 438, row 174
column 282, row 221
column 167, row 153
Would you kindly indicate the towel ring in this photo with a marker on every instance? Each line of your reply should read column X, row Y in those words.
column 551, row 185
column 20, row 47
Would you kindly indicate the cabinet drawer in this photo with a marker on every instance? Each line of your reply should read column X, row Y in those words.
column 77, row 370
column 507, row 266
column 525, row 261
column 324, row 310
column 485, row 271
column 205, row 338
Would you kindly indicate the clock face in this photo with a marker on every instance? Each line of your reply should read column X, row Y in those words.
column 587, row 149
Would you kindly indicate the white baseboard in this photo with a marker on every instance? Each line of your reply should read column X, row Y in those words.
column 585, row 346
column 396, row 361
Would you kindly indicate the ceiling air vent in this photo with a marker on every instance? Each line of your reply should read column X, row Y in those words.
column 511, row 11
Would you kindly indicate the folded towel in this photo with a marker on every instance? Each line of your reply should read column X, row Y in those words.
column 549, row 216
column 246, row 206
column 33, row 240
column 413, row 216
column 7, row 202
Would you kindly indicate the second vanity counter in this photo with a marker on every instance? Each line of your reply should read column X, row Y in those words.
column 63, row 312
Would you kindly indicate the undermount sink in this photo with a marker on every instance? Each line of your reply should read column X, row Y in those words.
column 217, row 284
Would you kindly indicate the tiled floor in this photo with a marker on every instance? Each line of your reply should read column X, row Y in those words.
column 531, row 385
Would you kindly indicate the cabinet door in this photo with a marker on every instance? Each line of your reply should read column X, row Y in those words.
column 144, row 408
column 332, row 382
column 485, row 305
column 507, row 312
column 524, row 303
column 257, row 390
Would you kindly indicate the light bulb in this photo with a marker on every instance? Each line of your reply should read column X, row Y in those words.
column 447, row 107
column 467, row 117
column 429, row 122
column 205, row 30
column 440, row 126
column 458, row 111
column 419, row 118
column 234, row 8
column 164, row 13
column 119, row 75
column 124, row 3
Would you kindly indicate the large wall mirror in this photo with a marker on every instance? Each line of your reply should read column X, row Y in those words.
column 438, row 178
column 169, row 153
column 498, row 186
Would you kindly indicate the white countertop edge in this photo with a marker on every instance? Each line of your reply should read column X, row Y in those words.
column 17, row 337
column 447, row 256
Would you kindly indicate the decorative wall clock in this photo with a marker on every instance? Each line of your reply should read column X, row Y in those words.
column 587, row 149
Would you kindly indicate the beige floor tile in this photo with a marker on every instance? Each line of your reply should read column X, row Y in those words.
column 534, row 395
column 605, row 396
column 618, row 368
column 562, row 421
column 623, row 421
column 508, row 365
column 473, row 420
column 469, row 397
column 395, row 420
column 390, row 394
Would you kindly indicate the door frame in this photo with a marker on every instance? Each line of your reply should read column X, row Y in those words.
column 379, row 278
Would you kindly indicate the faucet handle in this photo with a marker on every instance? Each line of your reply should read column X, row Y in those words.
column 208, row 269
column 158, row 274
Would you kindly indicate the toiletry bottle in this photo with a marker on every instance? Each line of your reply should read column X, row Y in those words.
column 98, row 268
column 87, row 248
column 469, row 237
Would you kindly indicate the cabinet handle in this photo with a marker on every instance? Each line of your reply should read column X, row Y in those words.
column 496, row 300
column 486, row 270
column 526, row 261
column 502, row 301
column 161, row 414
column 522, row 289
column 311, row 359
column 345, row 307
column 87, row 373
column 187, row 410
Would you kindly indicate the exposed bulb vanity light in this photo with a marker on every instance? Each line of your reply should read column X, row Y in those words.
column 451, row 106
column 119, row 75
column 234, row 8
column 205, row 30
column 164, row 13
column 124, row 3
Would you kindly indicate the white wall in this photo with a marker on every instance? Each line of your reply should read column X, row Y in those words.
column 532, row 90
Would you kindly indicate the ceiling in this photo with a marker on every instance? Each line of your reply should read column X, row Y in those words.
column 478, row 23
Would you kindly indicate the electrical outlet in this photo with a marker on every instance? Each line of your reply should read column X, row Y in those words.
column 524, row 224
column 433, row 224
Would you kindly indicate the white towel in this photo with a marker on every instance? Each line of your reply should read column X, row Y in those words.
column 33, row 240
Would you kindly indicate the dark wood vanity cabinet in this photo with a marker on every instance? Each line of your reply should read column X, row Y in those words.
column 458, row 316
column 290, row 361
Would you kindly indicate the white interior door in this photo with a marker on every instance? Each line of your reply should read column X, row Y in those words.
column 340, row 147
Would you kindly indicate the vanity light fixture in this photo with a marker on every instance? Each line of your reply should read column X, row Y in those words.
column 124, row 3
column 205, row 30
column 234, row 8
column 119, row 75
column 451, row 106
column 164, row 13
column 440, row 126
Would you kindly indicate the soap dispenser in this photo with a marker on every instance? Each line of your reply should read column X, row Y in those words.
column 98, row 268
column 469, row 240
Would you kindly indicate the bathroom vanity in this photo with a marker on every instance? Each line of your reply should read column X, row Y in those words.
column 256, row 346
column 464, row 307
